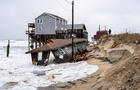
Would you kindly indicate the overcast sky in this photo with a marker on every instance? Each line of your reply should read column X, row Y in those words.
column 115, row 14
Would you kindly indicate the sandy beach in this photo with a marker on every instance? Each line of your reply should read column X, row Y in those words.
column 84, row 83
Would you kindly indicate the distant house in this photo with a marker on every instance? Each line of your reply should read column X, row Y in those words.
column 100, row 33
column 49, row 24
column 79, row 30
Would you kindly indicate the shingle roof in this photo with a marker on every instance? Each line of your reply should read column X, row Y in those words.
column 57, row 43
column 76, row 26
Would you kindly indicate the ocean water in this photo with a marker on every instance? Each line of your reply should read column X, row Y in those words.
column 18, row 68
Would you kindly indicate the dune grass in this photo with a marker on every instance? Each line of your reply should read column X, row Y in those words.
column 125, row 38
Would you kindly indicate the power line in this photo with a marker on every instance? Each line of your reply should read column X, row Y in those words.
column 63, row 6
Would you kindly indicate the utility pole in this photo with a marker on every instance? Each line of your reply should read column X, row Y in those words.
column 99, row 27
column 105, row 27
column 126, row 30
column 72, row 34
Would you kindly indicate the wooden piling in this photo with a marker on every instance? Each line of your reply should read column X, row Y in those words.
column 8, row 48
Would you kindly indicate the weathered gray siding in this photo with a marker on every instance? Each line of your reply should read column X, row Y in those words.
column 61, row 24
column 47, row 26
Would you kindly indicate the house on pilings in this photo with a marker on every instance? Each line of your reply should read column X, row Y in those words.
column 49, row 31
column 79, row 30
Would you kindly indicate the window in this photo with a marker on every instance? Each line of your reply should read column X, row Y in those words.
column 40, row 21
column 60, row 21
column 57, row 19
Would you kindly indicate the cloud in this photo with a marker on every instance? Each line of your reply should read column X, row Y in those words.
column 115, row 14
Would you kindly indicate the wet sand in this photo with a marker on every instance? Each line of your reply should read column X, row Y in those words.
column 87, row 82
